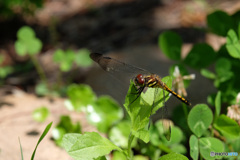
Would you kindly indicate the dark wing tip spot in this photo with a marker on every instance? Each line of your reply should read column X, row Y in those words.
column 95, row 56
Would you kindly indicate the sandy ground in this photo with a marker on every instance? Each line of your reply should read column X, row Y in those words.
column 16, row 122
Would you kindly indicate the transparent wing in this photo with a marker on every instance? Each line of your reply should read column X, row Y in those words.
column 160, row 99
column 120, row 72
column 165, row 123
column 112, row 65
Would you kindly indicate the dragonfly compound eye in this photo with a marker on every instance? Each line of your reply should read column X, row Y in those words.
column 140, row 80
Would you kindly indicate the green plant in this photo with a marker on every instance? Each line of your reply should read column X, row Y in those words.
column 6, row 70
column 203, row 130
column 102, row 112
column 65, row 59
column 64, row 126
column 8, row 8
column 206, row 132
column 201, row 56
column 211, row 132
column 127, row 132
column 40, row 114
column 39, row 141
column 28, row 44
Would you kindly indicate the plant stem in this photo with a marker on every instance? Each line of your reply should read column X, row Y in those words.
column 39, row 69
column 130, row 139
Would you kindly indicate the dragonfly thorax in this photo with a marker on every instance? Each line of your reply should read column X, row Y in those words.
column 139, row 80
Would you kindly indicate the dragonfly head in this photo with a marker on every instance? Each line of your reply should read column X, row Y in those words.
column 139, row 80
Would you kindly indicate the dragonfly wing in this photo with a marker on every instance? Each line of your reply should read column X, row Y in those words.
column 154, row 104
column 166, row 124
column 112, row 65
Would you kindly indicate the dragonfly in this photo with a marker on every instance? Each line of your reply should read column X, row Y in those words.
column 142, row 78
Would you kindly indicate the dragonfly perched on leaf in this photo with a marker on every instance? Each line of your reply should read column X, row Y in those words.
column 142, row 79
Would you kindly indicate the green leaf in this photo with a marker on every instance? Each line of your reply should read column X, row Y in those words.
column 139, row 109
column 233, row 44
column 171, row 44
column 119, row 134
column 222, row 65
column 200, row 56
column 150, row 151
column 172, row 156
column 80, row 96
column 235, row 145
column 25, row 33
column 220, row 22
column 142, row 134
column 67, row 124
column 64, row 58
column 155, row 135
column 101, row 158
column 228, row 127
column 69, row 56
column 57, row 134
column 194, row 150
column 83, row 59
column 118, row 156
column 104, row 113
column 40, row 114
column 64, row 126
column 21, row 48
column 27, row 43
column 208, row 74
column 58, row 55
column 176, row 135
column 5, row 71
column 41, row 138
column 211, row 99
column 199, row 119
column 22, row 158
column 218, row 104
column 208, row 145
column 87, row 146
column 34, row 46
column 179, row 148
column 165, row 137
column 140, row 157
column 223, row 69
column 41, row 89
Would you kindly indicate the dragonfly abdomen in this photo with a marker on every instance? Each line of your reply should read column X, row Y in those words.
column 153, row 81
column 177, row 95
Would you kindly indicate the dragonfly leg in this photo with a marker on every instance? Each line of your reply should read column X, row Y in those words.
column 139, row 91
column 149, row 122
column 164, row 105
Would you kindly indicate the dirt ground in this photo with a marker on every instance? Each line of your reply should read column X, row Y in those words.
column 16, row 122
